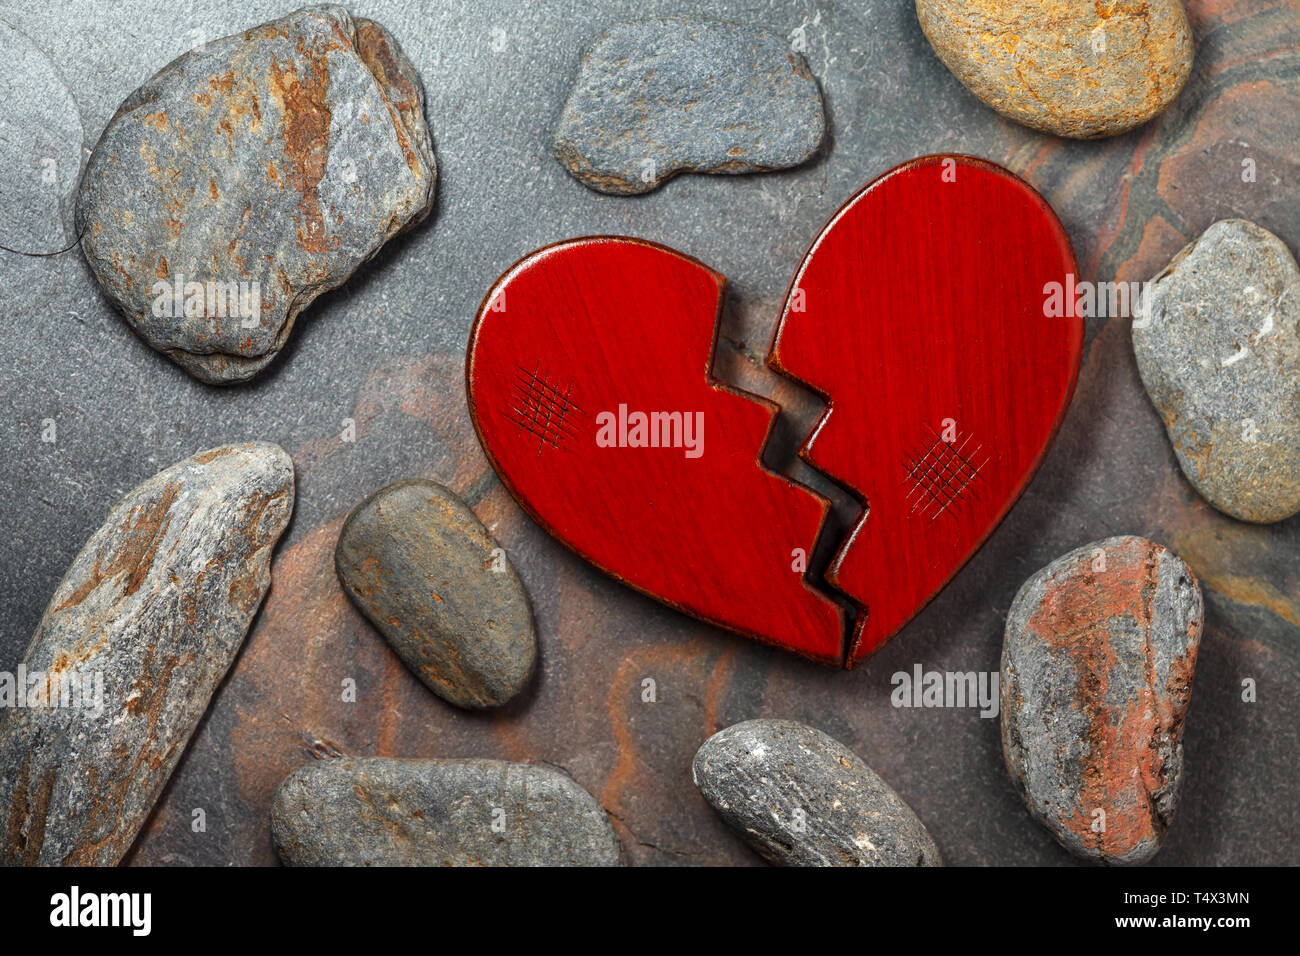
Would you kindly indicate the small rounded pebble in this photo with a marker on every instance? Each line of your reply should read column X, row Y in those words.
column 1075, row 69
column 801, row 798
column 418, row 563
column 380, row 811
column 1218, row 348
column 1097, row 665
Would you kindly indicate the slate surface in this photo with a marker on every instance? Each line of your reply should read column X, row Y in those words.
column 386, row 351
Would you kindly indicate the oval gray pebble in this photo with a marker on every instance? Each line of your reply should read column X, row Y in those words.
column 658, row 97
column 801, row 798
column 1218, row 348
column 417, row 562
column 380, row 811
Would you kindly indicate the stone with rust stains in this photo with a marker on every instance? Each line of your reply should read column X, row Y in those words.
column 418, row 563
column 1218, row 348
column 1072, row 68
column 801, row 798
column 659, row 97
column 1097, row 665
column 136, row 639
column 381, row 811
column 264, row 168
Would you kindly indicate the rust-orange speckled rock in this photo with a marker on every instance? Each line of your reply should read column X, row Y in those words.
column 131, row 649
column 248, row 177
column 1097, row 667
column 1073, row 68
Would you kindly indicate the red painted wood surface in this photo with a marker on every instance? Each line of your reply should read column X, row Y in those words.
column 918, row 314
column 588, row 326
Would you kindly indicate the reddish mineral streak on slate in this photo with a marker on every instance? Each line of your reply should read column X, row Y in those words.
column 147, row 620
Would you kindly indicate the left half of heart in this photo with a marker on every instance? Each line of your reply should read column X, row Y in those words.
column 589, row 376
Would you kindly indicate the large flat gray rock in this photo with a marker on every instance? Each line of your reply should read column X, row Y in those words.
column 247, row 177
column 380, row 811
column 655, row 98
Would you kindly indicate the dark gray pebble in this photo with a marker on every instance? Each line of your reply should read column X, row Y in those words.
column 801, row 798
column 427, row 574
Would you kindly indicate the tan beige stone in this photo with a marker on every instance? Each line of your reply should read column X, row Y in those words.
column 1077, row 69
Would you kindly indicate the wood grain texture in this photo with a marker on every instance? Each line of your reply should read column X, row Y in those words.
column 918, row 313
column 570, row 346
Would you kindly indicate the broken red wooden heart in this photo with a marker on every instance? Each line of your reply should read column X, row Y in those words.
column 919, row 314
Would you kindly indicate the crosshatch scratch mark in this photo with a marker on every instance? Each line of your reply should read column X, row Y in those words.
column 944, row 475
column 541, row 409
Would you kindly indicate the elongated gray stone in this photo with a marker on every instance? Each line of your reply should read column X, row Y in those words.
column 801, row 798
column 418, row 563
column 130, row 650
column 1218, row 348
column 381, row 811
column 1097, row 665
column 659, row 97
column 249, row 176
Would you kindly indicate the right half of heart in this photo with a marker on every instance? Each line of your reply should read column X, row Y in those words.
column 932, row 314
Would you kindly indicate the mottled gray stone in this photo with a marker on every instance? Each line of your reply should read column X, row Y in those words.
column 427, row 574
column 1218, row 347
column 1097, row 665
column 40, row 147
column 1074, row 69
column 281, row 158
column 801, row 798
column 381, row 811
column 151, row 613
column 655, row 98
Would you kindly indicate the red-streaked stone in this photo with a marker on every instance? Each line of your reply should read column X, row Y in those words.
column 1097, row 670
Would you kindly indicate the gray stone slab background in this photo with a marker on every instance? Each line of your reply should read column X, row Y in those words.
column 387, row 351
